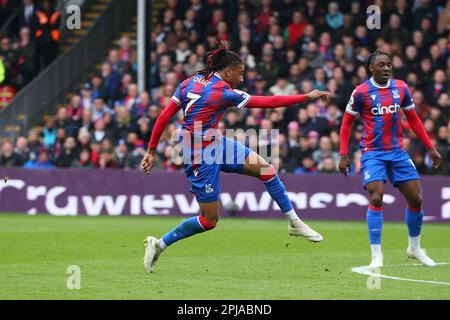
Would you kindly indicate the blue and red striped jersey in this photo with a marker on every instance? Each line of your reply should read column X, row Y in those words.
column 204, row 101
column 379, row 108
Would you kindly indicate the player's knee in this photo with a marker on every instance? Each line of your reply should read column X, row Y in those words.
column 376, row 200
column 416, row 202
column 268, row 173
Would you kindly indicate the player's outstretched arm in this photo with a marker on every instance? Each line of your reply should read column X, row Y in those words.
column 346, row 129
column 161, row 123
column 285, row 101
column 417, row 126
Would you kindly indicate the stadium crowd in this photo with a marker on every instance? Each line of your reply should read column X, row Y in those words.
column 288, row 47
column 29, row 39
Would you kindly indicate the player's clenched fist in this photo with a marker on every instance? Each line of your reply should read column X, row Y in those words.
column 147, row 162
column 344, row 164
column 436, row 158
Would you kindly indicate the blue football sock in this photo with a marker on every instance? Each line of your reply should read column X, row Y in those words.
column 414, row 220
column 278, row 193
column 187, row 228
column 375, row 225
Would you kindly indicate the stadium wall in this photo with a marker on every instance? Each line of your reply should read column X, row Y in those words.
column 121, row 193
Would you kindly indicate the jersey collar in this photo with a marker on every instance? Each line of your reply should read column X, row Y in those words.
column 372, row 80
column 218, row 75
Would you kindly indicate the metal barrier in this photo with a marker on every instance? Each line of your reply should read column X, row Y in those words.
column 41, row 96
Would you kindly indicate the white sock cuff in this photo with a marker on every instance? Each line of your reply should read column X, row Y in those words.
column 291, row 215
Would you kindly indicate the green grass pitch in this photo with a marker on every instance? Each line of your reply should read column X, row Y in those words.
column 241, row 259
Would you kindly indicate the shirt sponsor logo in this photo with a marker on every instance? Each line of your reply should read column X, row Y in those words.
column 380, row 110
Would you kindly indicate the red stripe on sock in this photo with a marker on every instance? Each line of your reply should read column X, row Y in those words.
column 205, row 223
column 415, row 209
column 375, row 208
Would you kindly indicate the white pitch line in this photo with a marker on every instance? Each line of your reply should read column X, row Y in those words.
column 365, row 270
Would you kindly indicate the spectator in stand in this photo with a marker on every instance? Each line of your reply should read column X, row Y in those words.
column 42, row 162
column 8, row 157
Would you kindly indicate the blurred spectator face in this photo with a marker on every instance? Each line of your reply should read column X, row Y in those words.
column 75, row 101
column 411, row 53
column 50, row 124
column 429, row 125
column 443, row 100
column 107, row 118
column 122, row 148
column 312, row 48
column 33, row 137
column 61, row 115
column 294, row 70
column 125, row 43
column 96, row 147
column 107, row 145
column 84, row 138
column 132, row 90
column 70, row 144
column 312, row 111
column 144, row 98
column 5, row 44
column 106, row 69
column 43, row 156
column 412, row 79
column 333, row 8
column 361, row 32
column 99, row 125
column 304, row 143
column 319, row 75
column 122, row 114
column 435, row 52
column 165, row 64
column 394, row 21
column 97, row 81
column 325, row 144
column 21, row 143
column 425, row 65
column 153, row 112
column 334, row 136
column 325, row 39
column 84, row 156
column 190, row 15
column 308, row 31
column 303, row 116
column 171, row 79
column 307, row 86
column 308, row 163
column 361, row 72
column 99, row 104
column 266, row 124
column 244, row 36
column 329, row 165
column 439, row 76
column 132, row 138
column 127, row 79
column 143, row 125
column 7, row 149
column 113, row 56
column 297, row 17
column 313, row 138
column 293, row 130
column 217, row 15
column 443, row 133
column 25, row 33
column 418, row 38
column 60, row 134
column 232, row 118
column 86, row 116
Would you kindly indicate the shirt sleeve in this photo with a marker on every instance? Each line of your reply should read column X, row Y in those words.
column 177, row 96
column 354, row 104
column 407, row 102
column 235, row 98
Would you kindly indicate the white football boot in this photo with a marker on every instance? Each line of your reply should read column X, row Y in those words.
column 152, row 252
column 420, row 254
column 298, row 228
column 377, row 262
